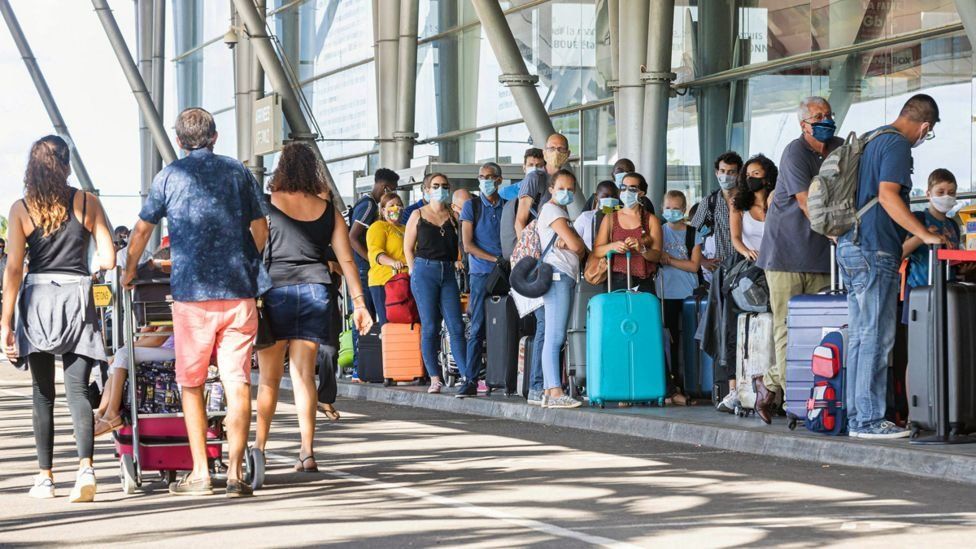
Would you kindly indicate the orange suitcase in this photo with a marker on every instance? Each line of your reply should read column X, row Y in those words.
column 402, row 360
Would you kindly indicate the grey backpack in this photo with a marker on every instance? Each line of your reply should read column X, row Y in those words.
column 832, row 197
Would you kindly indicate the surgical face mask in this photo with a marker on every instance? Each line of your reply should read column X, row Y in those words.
column 393, row 214
column 440, row 195
column 531, row 169
column 564, row 197
column 943, row 203
column 556, row 159
column 487, row 186
column 922, row 139
column 824, row 130
column 755, row 183
column 672, row 215
column 726, row 181
column 628, row 198
column 609, row 202
column 619, row 178
column 426, row 197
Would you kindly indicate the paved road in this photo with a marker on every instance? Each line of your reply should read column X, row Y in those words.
column 407, row 477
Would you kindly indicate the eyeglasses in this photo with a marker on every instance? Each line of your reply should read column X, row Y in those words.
column 819, row 117
column 558, row 149
column 930, row 136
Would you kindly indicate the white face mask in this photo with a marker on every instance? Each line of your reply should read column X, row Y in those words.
column 943, row 203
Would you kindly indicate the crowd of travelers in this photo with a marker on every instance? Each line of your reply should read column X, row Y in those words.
column 231, row 249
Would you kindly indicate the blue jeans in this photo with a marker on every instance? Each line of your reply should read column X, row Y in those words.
column 367, row 298
column 872, row 281
column 476, row 317
column 558, row 302
column 378, row 293
column 535, row 367
column 436, row 293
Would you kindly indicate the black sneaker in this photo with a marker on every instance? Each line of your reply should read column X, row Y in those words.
column 467, row 389
column 238, row 489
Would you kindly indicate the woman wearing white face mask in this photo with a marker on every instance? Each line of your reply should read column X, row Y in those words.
column 432, row 247
column 384, row 244
column 631, row 229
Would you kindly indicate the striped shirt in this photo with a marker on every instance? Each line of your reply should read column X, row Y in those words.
column 720, row 230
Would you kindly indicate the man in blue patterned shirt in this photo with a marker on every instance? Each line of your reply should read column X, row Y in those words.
column 217, row 228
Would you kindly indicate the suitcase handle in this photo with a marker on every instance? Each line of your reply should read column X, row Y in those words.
column 610, row 271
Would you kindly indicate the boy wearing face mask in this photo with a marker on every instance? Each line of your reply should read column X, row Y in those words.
column 605, row 201
column 384, row 245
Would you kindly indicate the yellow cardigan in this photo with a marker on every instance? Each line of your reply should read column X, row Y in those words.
column 383, row 237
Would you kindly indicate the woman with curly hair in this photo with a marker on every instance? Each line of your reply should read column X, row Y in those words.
column 747, row 220
column 303, row 228
column 53, row 225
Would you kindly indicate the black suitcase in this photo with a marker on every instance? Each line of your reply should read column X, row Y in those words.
column 502, row 337
column 921, row 384
column 371, row 356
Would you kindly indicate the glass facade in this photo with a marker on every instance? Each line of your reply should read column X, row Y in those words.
column 778, row 52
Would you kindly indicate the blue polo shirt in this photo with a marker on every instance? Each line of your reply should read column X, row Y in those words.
column 487, row 231
column 405, row 216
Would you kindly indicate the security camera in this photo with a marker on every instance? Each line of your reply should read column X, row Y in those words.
column 230, row 38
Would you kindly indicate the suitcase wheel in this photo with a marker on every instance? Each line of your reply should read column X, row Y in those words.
column 660, row 402
column 792, row 424
column 387, row 382
column 915, row 431
column 488, row 392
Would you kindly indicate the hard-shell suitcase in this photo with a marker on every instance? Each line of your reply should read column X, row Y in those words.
column 371, row 356
column 921, row 380
column 402, row 360
column 625, row 347
column 827, row 404
column 697, row 365
column 524, row 365
column 754, row 354
column 502, row 337
column 576, row 335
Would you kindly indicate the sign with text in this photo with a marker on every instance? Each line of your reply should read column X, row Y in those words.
column 266, row 136
column 102, row 293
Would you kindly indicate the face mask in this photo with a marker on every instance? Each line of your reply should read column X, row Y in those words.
column 487, row 187
column 393, row 214
column 556, row 159
column 943, row 203
column 531, row 169
column 823, row 131
column 918, row 142
column 609, row 202
column 619, row 178
column 564, row 197
column 726, row 181
column 440, row 195
column 672, row 215
column 755, row 183
column 628, row 198
column 427, row 197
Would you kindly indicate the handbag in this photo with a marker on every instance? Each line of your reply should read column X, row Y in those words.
column 531, row 276
column 497, row 285
column 265, row 337
column 595, row 269
column 400, row 305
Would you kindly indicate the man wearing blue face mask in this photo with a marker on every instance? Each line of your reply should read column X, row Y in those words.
column 796, row 259
column 712, row 217
column 533, row 161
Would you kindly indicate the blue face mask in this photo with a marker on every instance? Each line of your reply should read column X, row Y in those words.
column 427, row 197
column 619, row 178
column 628, row 198
column 487, row 186
column 440, row 195
column 609, row 202
column 564, row 197
column 672, row 215
column 823, row 131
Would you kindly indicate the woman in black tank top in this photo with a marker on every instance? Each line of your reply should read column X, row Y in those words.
column 306, row 231
column 431, row 245
column 56, row 311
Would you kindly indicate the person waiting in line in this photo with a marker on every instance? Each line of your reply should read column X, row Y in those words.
column 605, row 200
column 52, row 226
column 364, row 213
column 384, row 243
column 747, row 221
column 621, row 168
column 796, row 259
column 632, row 230
column 564, row 257
column 432, row 247
column 480, row 235
column 712, row 217
column 533, row 160
column 458, row 200
column 678, row 279
column 302, row 227
column 534, row 190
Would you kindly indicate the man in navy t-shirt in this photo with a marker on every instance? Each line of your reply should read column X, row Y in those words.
column 869, row 256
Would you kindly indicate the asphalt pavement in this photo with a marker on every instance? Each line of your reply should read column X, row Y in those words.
column 396, row 476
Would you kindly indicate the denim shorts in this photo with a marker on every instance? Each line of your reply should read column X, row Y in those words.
column 299, row 311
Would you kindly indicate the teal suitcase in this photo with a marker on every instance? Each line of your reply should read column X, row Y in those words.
column 625, row 348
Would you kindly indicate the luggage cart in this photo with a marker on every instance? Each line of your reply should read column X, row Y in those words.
column 158, row 441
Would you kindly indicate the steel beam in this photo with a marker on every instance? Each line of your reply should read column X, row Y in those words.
column 630, row 92
column 300, row 131
column 45, row 93
column 716, row 39
column 657, row 95
column 158, row 69
column 613, row 22
column 242, row 97
column 404, row 135
column 136, row 83
column 256, row 165
column 386, row 15
column 514, row 73
column 144, row 45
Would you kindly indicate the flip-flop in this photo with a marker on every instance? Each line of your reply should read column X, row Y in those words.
column 105, row 426
column 301, row 468
column 329, row 411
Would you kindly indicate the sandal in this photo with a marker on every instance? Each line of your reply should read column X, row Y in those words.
column 300, row 467
column 329, row 411
column 105, row 426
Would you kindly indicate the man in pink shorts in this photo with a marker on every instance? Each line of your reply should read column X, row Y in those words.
column 217, row 227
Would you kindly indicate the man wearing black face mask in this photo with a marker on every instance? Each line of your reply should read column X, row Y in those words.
column 796, row 259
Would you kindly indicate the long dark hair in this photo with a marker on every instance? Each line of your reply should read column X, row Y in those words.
column 743, row 198
column 299, row 171
column 46, row 189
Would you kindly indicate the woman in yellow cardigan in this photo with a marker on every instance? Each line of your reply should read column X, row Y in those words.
column 384, row 244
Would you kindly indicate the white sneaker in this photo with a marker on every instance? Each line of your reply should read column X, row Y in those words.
column 43, row 488
column 729, row 403
column 84, row 490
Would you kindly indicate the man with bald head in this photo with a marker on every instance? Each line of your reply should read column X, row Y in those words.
column 458, row 199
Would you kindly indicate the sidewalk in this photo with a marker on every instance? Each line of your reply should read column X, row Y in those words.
column 698, row 425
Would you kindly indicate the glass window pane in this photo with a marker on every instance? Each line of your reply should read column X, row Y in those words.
column 332, row 33
column 227, row 133
column 345, row 108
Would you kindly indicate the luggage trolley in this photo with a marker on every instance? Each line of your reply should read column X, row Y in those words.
column 155, row 438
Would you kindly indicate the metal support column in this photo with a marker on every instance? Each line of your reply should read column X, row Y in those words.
column 158, row 69
column 242, row 97
column 45, row 93
column 967, row 13
column 386, row 16
column 300, row 130
column 716, row 38
column 144, row 45
column 138, row 86
column 630, row 91
column 657, row 94
column 514, row 73
column 256, row 92
column 613, row 22
column 404, row 134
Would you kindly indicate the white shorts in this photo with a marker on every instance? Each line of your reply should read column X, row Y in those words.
column 143, row 354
